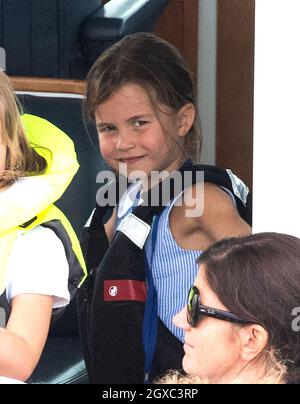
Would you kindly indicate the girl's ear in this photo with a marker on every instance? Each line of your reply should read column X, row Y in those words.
column 185, row 119
column 254, row 339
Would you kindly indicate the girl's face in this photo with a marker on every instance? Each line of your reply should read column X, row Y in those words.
column 131, row 131
column 212, row 348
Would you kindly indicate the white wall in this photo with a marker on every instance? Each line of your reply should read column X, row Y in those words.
column 277, row 117
column 2, row 59
column 207, row 77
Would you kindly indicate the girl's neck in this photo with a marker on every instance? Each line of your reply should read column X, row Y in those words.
column 177, row 163
column 153, row 180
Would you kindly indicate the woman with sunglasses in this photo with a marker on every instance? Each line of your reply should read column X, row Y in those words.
column 240, row 321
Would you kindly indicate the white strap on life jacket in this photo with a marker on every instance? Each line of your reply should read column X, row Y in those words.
column 135, row 229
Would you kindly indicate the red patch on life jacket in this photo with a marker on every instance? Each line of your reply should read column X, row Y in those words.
column 124, row 290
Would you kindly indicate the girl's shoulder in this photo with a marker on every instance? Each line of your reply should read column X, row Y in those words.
column 37, row 247
column 38, row 237
column 203, row 198
column 209, row 210
column 38, row 265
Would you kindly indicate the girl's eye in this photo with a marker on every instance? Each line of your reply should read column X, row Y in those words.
column 106, row 130
column 138, row 124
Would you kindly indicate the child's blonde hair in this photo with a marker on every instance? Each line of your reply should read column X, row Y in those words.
column 21, row 159
column 154, row 64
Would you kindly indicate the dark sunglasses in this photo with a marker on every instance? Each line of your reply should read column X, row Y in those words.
column 195, row 310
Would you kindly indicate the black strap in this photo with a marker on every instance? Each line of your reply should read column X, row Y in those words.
column 27, row 224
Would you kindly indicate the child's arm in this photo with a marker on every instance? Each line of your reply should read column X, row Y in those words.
column 110, row 226
column 23, row 340
column 205, row 219
column 221, row 218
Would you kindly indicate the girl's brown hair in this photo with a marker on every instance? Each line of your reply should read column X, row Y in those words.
column 258, row 278
column 21, row 159
column 154, row 64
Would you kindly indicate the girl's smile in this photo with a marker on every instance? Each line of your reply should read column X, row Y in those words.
column 134, row 132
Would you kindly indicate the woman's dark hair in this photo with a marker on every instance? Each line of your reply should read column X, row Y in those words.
column 154, row 64
column 258, row 278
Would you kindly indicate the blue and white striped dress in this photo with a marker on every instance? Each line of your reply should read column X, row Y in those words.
column 173, row 269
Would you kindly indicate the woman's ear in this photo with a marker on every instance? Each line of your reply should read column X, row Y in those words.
column 254, row 339
column 185, row 119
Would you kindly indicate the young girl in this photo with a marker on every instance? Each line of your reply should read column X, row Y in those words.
column 141, row 96
column 244, row 331
column 38, row 248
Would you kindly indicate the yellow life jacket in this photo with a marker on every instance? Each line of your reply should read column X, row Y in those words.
column 21, row 210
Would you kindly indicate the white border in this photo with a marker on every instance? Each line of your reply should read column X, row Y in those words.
column 276, row 191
